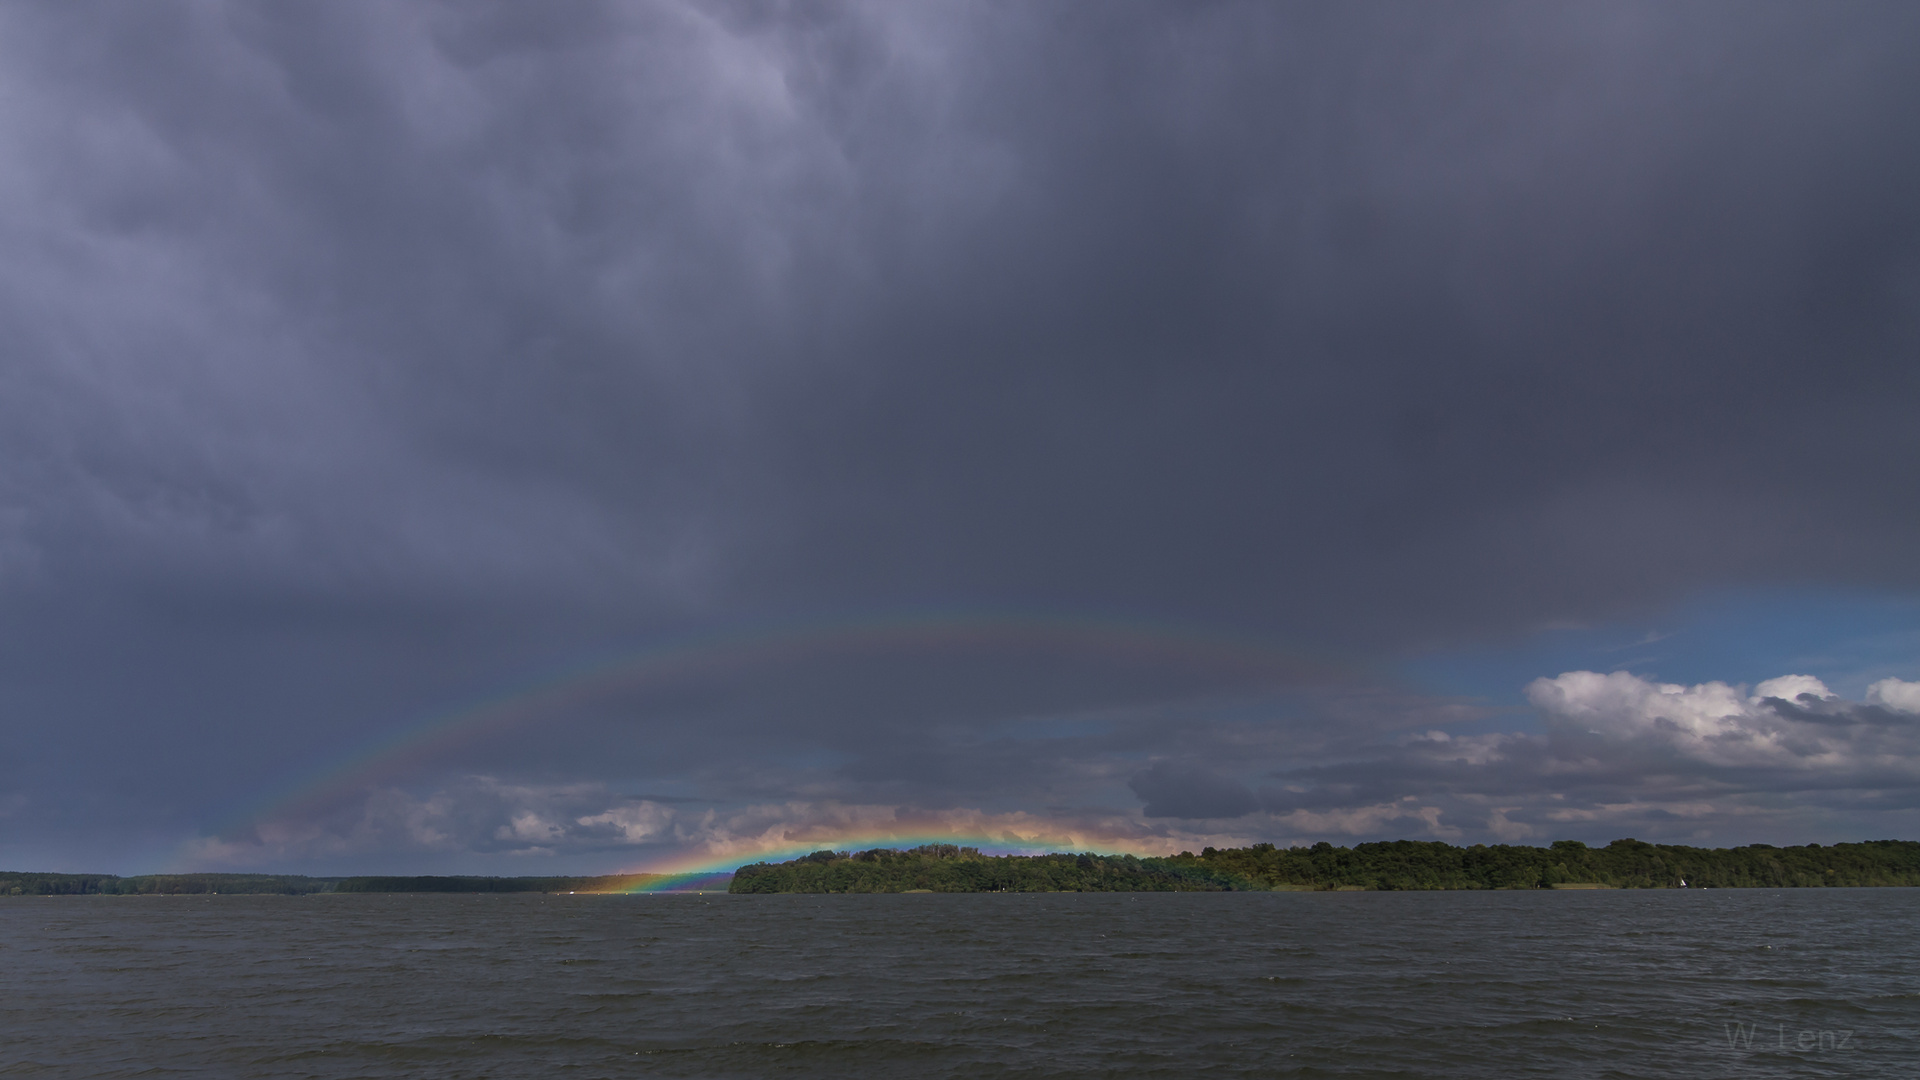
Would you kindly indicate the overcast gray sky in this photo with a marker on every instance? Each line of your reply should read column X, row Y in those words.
column 817, row 423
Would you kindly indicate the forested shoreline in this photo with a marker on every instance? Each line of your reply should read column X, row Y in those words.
column 1391, row 865
column 36, row 884
column 602, row 883
column 14, row 883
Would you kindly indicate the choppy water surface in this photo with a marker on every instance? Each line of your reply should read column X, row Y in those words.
column 1701, row 983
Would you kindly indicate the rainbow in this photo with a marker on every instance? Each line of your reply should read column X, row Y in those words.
column 673, row 883
column 412, row 746
column 702, row 870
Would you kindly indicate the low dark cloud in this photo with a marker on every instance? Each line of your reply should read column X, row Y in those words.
column 365, row 360
column 1174, row 791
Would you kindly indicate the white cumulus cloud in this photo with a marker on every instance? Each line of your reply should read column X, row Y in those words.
column 1792, row 721
column 1895, row 694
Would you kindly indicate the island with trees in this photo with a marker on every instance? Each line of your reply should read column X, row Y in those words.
column 1391, row 865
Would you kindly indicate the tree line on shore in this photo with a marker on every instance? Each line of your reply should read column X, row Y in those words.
column 947, row 868
column 35, row 884
column 14, row 883
column 1391, row 865
column 603, row 883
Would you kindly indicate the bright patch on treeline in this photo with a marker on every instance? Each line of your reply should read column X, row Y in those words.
column 1399, row 864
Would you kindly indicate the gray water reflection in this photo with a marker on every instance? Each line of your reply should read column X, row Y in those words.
column 1625, row 984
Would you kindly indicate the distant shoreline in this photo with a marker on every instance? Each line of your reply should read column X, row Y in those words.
column 48, row 884
column 1399, row 865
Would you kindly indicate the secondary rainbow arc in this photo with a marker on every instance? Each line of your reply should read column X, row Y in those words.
column 1248, row 659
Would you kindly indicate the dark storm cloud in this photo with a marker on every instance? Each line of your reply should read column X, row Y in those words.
column 362, row 356
column 1170, row 790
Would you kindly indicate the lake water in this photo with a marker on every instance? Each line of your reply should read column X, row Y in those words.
column 1605, row 984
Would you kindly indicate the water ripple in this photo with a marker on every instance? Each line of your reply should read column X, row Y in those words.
column 1602, row 984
